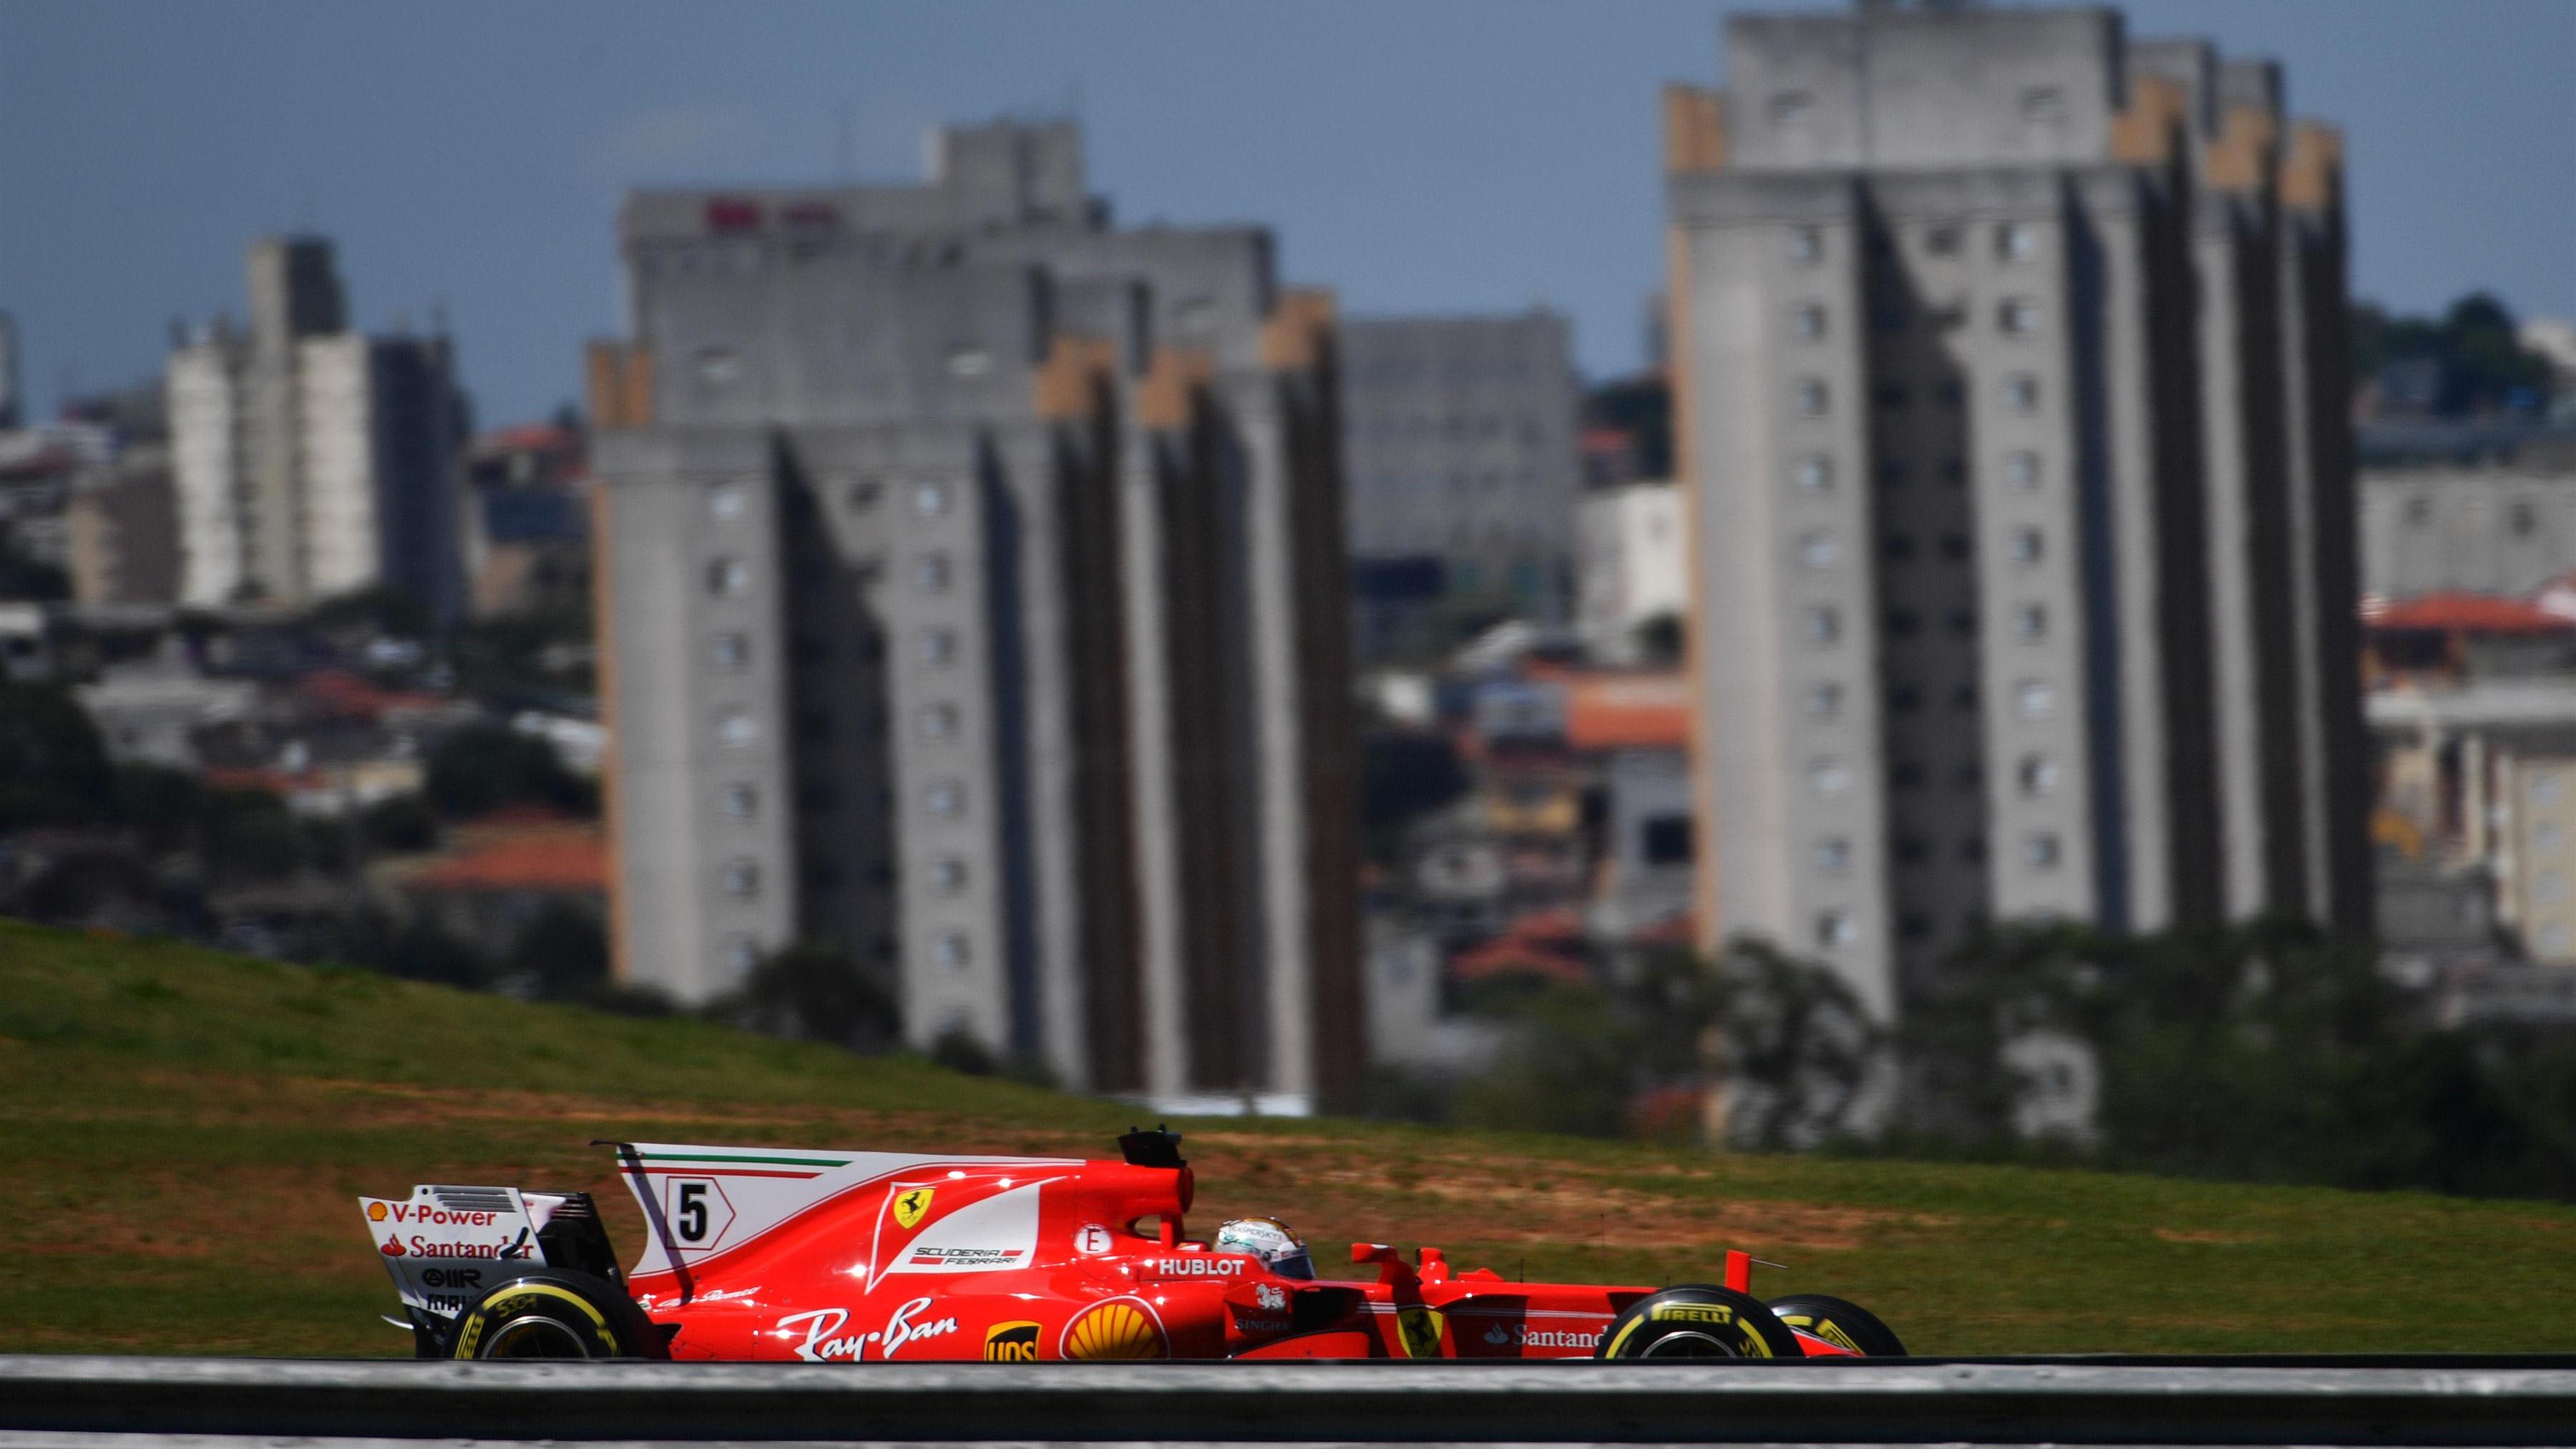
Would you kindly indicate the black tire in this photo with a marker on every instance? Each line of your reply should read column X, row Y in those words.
column 1698, row 1320
column 554, row 1314
column 1840, row 1322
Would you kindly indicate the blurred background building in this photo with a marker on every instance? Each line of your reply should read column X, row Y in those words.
column 1460, row 437
column 974, row 596
column 310, row 460
column 2011, row 367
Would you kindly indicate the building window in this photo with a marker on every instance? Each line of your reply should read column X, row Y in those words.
column 1808, row 321
column 741, row 879
column 1665, row 840
column 2018, row 315
column 1903, row 623
column 2040, row 852
column 1904, row 698
column 1949, row 392
column 730, row 652
column 1891, row 472
column 728, row 578
column 1906, row 775
column 1891, row 395
column 949, row 949
column 930, row 573
column 938, row 646
column 1942, row 240
column 726, row 502
column 2021, row 393
column 1806, row 244
column 1819, row 551
column 948, row 875
column 1972, row 850
column 1836, row 928
column 1815, row 473
column 2030, row 622
column 1823, row 624
column 938, row 721
column 2034, row 699
column 2021, row 471
column 737, row 730
column 1833, row 854
column 1829, row 777
column 945, row 798
column 2037, row 775
column 863, row 495
column 2544, row 838
column 2026, row 545
column 1790, row 108
column 2043, row 105
column 1824, row 700
column 1912, row 850
column 2550, row 888
column 969, row 362
column 1963, row 622
column 741, row 802
column 1811, row 397
column 2014, row 242
column 2521, row 520
column 2544, row 789
column 718, row 365
column 740, row 955
column 1897, row 548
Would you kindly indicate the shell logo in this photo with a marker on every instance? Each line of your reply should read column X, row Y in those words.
column 375, row 1212
column 1119, row 1328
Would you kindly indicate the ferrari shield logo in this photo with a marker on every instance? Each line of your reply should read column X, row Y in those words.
column 910, row 1204
column 1420, row 1330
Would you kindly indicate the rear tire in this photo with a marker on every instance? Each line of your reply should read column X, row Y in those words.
column 555, row 1315
column 1840, row 1322
column 1698, row 1321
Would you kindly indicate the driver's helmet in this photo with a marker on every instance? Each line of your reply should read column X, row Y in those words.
column 1272, row 1241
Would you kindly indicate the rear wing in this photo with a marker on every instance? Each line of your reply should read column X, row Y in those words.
column 447, row 1245
column 701, row 1202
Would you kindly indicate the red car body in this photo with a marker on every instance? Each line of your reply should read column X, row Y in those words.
column 843, row 1257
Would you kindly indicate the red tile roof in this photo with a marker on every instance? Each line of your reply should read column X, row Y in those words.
column 2466, row 613
column 535, row 857
column 1648, row 711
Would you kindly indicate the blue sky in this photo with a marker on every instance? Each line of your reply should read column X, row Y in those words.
column 1422, row 155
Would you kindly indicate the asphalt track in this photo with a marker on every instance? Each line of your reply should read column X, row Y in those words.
column 156, row 1403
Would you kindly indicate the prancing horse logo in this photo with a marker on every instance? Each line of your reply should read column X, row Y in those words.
column 910, row 1204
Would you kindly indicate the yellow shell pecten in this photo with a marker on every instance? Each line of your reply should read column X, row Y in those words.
column 1115, row 1329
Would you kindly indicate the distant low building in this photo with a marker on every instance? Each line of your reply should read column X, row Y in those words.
column 1634, row 567
column 123, row 531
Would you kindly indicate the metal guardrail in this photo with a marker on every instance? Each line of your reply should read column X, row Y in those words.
column 2503, row 1401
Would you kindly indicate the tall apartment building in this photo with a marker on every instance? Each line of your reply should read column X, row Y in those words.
column 311, row 460
column 1461, row 439
column 2011, row 376
column 973, row 596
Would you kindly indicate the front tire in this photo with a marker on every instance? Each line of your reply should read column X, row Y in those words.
column 1698, row 1321
column 555, row 1315
column 1840, row 1322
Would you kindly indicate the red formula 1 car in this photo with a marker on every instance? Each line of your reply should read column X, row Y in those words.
column 844, row 1257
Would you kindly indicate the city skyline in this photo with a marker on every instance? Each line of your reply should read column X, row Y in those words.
column 1439, row 129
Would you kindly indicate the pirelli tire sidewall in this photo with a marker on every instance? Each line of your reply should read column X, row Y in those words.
column 584, row 1311
column 1698, row 1320
column 1840, row 1322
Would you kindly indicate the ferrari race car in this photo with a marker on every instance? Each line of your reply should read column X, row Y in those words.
column 844, row 1257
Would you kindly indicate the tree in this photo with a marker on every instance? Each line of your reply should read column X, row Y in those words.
column 2476, row 354
column 815, row 990
column 481, row 768
column 565, row 949
column 53, row 769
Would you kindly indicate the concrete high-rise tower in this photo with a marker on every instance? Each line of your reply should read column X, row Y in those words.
column 2010, row 369
column 972, row 590
column 310, row 460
